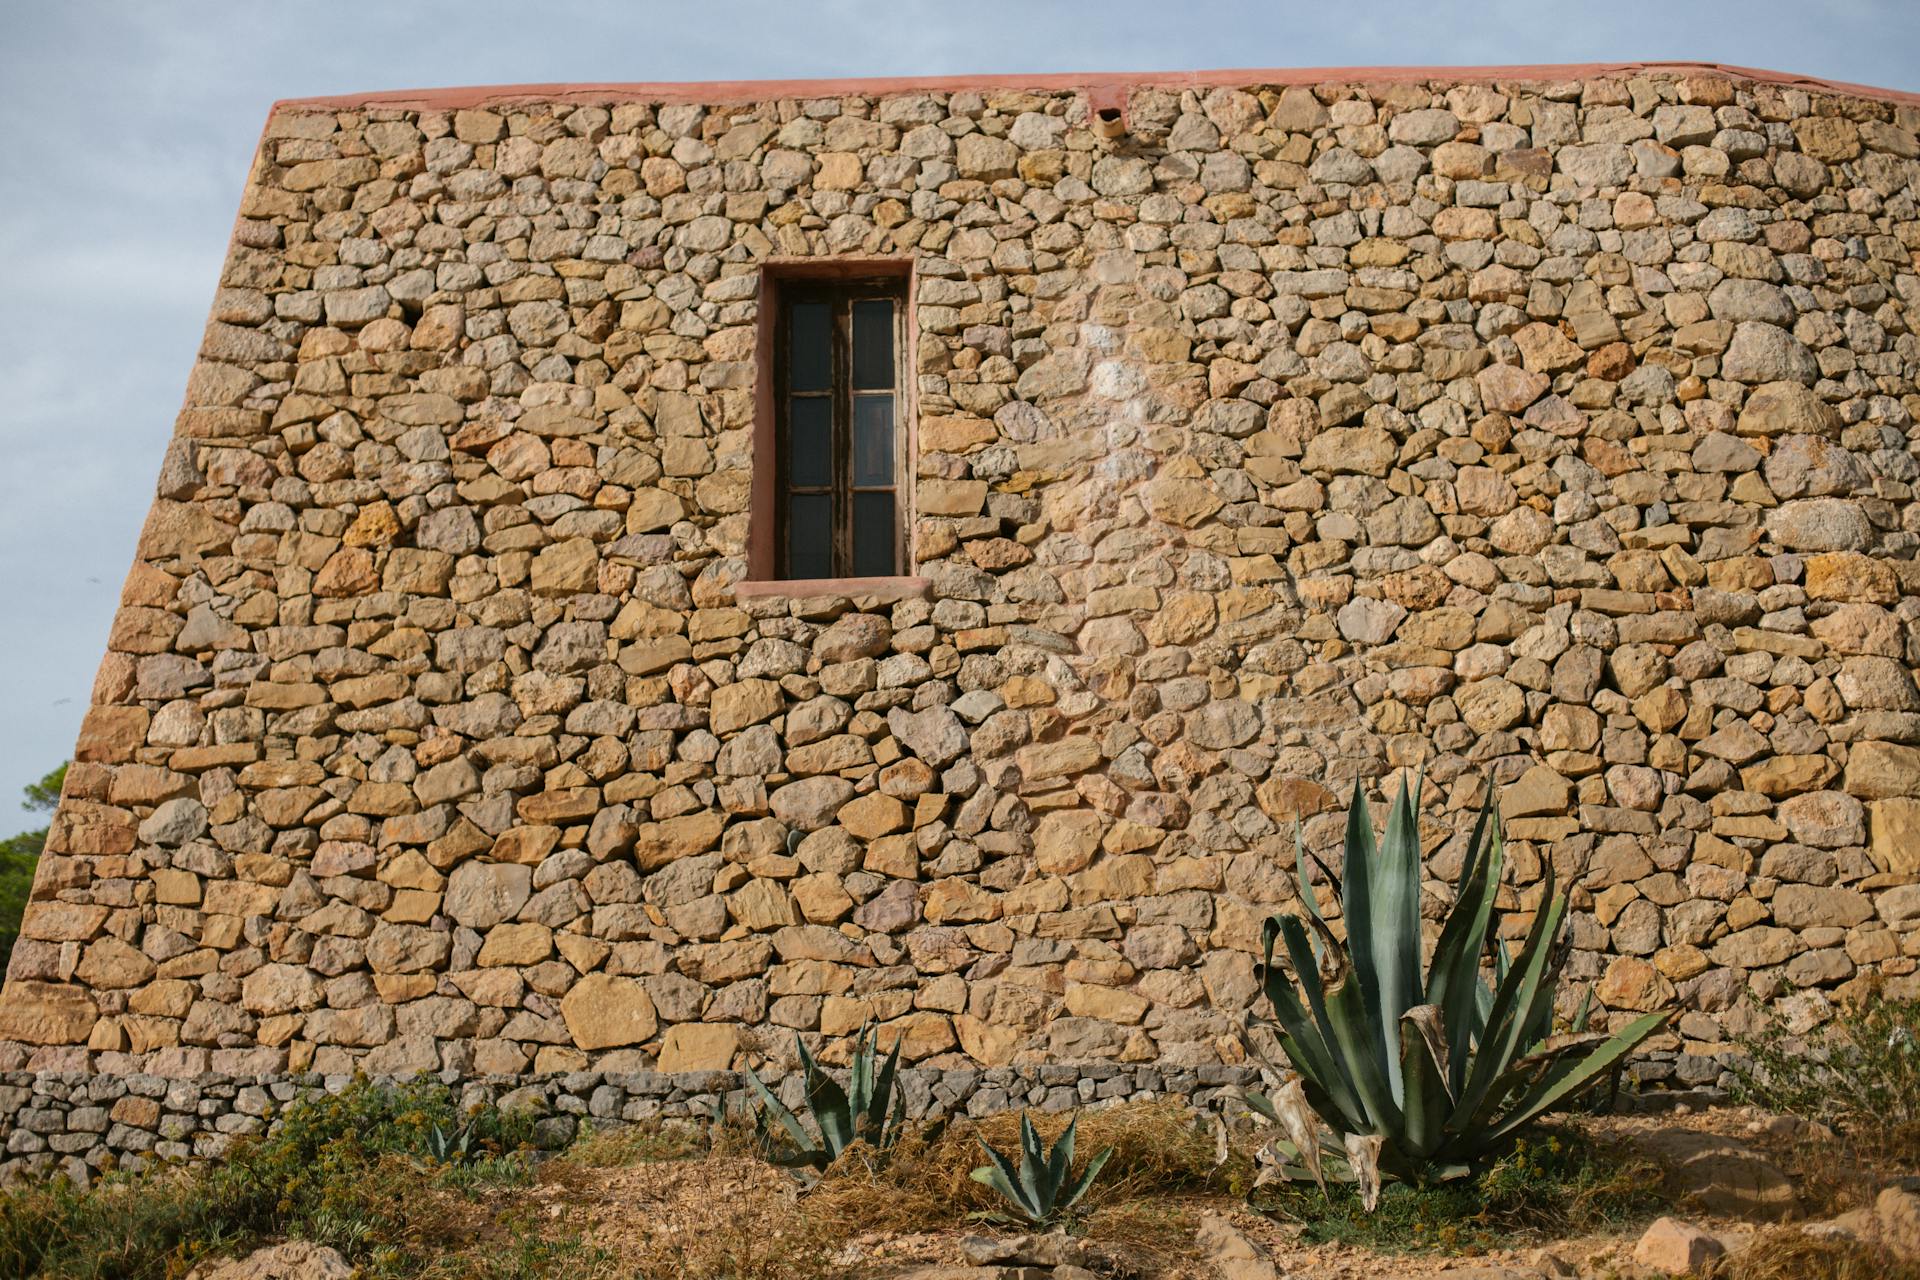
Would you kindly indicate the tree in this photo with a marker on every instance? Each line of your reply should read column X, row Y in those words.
column 20, row 855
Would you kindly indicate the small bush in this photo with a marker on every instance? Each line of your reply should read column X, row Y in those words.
column 343, row 1170
column 1552, row 1183
column 1860, row 1077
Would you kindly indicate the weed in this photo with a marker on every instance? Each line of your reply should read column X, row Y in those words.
column 1861, row 1078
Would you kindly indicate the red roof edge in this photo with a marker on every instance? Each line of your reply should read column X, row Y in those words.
column 735, row 91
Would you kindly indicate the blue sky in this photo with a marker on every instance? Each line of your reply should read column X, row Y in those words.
column 132, row 125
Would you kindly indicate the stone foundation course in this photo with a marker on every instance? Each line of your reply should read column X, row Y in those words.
column 1548, row 433
column 80, row 1125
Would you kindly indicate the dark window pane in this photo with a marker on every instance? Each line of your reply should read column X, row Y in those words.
column 810, row 441
column 872, row 440
column 873, row 535
column 810, row 344
column 809, row 535
column 873, row 346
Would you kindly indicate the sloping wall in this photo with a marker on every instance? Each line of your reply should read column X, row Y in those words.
column 1546, row 428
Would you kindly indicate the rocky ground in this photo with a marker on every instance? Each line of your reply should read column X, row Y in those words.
column 1747, row 1197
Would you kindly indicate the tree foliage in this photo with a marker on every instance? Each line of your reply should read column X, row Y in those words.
column 20, row 855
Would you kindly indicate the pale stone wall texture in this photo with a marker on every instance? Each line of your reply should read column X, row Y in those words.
column 1558, row 433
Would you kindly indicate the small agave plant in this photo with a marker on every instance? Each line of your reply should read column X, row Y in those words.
column 857, row 1113
column 450, row 1145
column 1042, row 1189
column 1419, row 1077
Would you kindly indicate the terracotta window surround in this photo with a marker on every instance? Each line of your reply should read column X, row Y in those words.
column 763, row 551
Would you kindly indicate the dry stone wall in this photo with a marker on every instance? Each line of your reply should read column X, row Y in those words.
column 1558, row 434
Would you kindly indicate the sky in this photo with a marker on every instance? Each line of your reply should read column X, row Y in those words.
column 132, row 125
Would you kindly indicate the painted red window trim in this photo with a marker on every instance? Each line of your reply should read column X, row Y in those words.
column 908, row 587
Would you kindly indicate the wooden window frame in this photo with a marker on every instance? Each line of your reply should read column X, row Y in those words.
column 841, row 296
column 782, row 280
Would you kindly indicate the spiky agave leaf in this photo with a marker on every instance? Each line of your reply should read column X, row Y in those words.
column 772, row 1106
column 832, row 1113
column 1566, row 1076
column 1308, row 1037
column 1087, row 1175
column 1004, row 1177
column 1453, row 977
column 875, row 1125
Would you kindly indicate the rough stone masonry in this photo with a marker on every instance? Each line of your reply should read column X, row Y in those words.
column 1553, row 432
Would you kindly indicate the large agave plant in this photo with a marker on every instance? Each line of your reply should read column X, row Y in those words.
column 857, row 1113
column 1419, row 1077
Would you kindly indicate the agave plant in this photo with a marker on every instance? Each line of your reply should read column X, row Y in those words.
column 857, row 1113
column 450, row 1146
column 1042, row 1189
column 1418, row 1077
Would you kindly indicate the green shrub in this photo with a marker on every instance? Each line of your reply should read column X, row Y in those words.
column 341, row 1169
column 1859, row 1076
column 1419, row 1078
column 1551, row 1183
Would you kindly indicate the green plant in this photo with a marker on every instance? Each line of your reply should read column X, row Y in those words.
column 1860, row 1078
column 1552, row 1183
column 858, row 1113
column 345, row 1169
column 1041, row 1189
column 449, row 1144
column 1419, row 1079
column 20, row 859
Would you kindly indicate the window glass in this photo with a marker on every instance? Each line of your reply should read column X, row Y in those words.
column 810, row 535
column 810, row 442
column 872, row 440
column 873, row 346
column 810, row 360
column 873, row 535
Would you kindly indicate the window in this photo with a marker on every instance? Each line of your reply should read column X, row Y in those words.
column 841, row 465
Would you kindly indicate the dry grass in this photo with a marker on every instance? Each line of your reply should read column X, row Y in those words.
column 1788, row 1253
column 620, row 1146
column 1159, row 1150
column 676, row 1201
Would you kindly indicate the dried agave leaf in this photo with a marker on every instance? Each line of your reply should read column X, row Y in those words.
column 1296, row 1117
column 1269, row 1160
column 1428, row 1021
column 1363, row 1154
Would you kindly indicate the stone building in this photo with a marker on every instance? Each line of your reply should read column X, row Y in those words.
column 643, row 571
